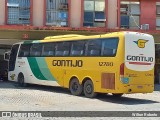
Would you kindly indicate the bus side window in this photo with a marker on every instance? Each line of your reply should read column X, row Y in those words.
column 36, row 50
column 109, row 47
column 59, row 53
column 78, row 48
column 65, row 53
column 48, row 49
column 62, row 49
column 94, row 48
column 24, row 50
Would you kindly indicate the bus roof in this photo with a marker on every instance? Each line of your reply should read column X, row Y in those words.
column 62, row 36
column 72, row 37
column 77, row 37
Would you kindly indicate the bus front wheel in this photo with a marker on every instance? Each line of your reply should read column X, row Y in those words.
column 89, row 89
column 75, row 87
column 21, row 80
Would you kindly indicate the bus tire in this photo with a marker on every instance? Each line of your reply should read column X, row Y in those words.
column 89, row 89
column 21, row 82
column 75, row 88
column 118, row 95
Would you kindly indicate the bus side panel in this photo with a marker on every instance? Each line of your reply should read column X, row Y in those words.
column 98, row 69
column 34, row 70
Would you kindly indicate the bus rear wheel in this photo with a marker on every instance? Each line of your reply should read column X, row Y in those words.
column 89, row 89
column 75, row 87
column 21, row 80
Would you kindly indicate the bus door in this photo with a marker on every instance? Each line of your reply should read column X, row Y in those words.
column 13, row 56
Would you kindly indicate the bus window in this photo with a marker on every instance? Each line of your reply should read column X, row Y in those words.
column 94, row 48
column 24, row 50
column 78, row 48
column 109, row 47
column 36, row 50
column 62, row 49
column 48, row 49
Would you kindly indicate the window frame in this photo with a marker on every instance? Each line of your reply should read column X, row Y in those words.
column 19, row 20
column 125, row 10
column 58, row 12
column 95, row 22
column 157, row 15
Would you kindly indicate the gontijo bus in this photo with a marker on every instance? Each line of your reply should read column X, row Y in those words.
column 117, row 63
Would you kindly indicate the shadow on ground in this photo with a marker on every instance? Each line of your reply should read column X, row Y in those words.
column 125, row 100
column 102, row 97
column 13, row 85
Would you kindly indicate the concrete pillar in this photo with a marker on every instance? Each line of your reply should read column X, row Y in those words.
column 112, row 14
column 38, row 12
column 2, row 12
column 148, row 13
column 75, row 13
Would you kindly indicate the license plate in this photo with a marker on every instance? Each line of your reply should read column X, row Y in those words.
column 140, row 87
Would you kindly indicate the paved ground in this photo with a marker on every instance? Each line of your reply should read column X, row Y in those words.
column 42, row 98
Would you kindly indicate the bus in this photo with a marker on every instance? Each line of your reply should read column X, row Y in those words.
column 116, row 63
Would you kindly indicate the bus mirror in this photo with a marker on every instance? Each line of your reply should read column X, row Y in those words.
column 6, row 56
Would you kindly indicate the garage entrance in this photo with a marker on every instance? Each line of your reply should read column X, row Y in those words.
column 157, row 64
column 5, row 45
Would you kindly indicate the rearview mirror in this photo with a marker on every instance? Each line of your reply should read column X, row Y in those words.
column 6, row 56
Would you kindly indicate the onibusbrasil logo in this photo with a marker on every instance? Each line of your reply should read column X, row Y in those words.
column 141, row 43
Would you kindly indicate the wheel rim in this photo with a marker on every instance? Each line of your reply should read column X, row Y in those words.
column 75, row 86
column 21, row 79
column 89, row 89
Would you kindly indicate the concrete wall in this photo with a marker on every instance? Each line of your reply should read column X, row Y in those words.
column 112, row 14
column 75, row 13
column 38, row 6
column 148, row 13
column 2, row 12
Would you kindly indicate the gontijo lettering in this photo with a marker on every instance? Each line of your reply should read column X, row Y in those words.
column 140, row 58
column 67, row 63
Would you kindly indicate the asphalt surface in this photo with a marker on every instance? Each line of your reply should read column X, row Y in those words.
column 44, row 98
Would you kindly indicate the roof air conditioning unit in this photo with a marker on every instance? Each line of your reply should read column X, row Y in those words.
column 145, row 26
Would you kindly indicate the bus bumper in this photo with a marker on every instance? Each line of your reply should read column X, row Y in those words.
column 147, row 88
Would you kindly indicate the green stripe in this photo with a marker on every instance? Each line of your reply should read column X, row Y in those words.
column 30, row 41
column 44, row 69
column 35, row 68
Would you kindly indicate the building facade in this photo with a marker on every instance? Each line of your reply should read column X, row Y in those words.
column 105, row 14
column 94, row 15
